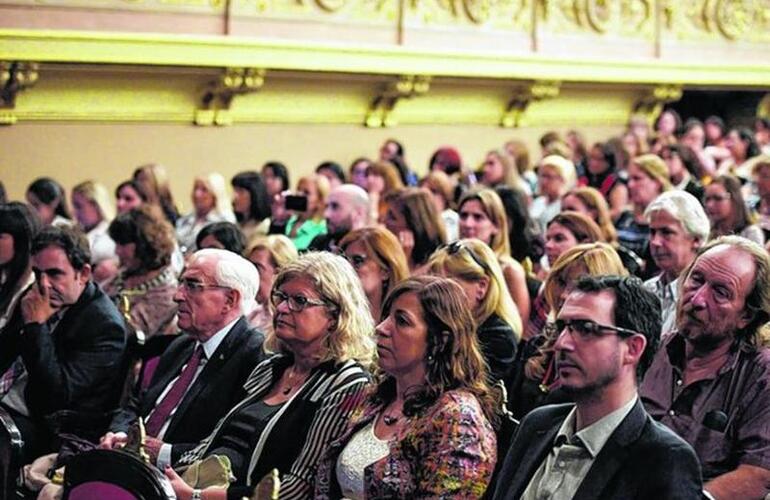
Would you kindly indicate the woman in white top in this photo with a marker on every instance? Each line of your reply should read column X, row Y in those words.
column 94, row 211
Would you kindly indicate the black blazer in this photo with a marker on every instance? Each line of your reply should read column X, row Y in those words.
column 217, row 389
column 79, row 366
column 642, row 459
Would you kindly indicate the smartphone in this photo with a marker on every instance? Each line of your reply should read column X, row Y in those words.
column 296, row 202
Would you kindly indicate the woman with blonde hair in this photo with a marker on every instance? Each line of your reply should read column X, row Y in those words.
column 482, row 216
column 211, row 203
column 379, row 261
column 426, row 429
column 153, row 180
column 500, row 168
column 474, row 266
column 414, row 221
column 301, row 397
column 556, row 176
column 303, row 226
column 268, row 254
column 94, row 211
column 534, row 380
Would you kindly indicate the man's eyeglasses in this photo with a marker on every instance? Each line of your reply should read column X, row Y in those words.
column 458, row 246
column 297, row 303
column 194, row 286
column 586, row 328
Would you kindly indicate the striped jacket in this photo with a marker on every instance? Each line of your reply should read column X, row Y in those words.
column 296, row 437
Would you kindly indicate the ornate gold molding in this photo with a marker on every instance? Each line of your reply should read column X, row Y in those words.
column 380, row 113
column 219, row 94
column 14, row 78
column 517, row 106
column 651, row 104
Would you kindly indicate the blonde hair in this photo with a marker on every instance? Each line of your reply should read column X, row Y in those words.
column 97, row 194
column 511, row 175
column 322, row 187
column 440, row 183
column 495, row 210
column 337, row 283
column 477, row 262
column 217, row 186
column 655, row 168
column 280, row 248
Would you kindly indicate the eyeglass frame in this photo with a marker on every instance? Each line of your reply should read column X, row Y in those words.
column 560, row 325
column 284, row 297
column 198, row 287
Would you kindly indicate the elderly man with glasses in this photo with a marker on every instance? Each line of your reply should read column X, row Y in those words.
column 605, row 445
column 201, row 374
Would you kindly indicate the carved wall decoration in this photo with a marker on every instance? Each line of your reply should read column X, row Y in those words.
column 380, row 113
column 202, row 6
column 731, row 20
column 517, row 106
column 219, row 94
column 15, row 77
column 498, row 14
column 630, row 18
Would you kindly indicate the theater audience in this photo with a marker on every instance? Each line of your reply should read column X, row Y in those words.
column 442, row 190
column 741, row 146
column 333, row 172
column 49, row 200
column 154, row 183
column 382, row 182
column 727, row 211
column 358, row 170
column 678, row 228
column 425, row 429
column 565, row 231
column 251, row 204
column 347, row 208
column 145, row 287
column 210, row 204
column 482, row 216
column 708, row 381
column 499, row 168
column 94, row 211
column 414, row 221
column 474, row 266
column 684, row 169
column 64, row 348
column 276, row 178
column 301, row 397
column 379, row 261
column 268, row 254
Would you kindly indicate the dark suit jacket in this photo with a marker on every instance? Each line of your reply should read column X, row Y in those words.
column 642, row 459
column 79, row 366
column 217, row 389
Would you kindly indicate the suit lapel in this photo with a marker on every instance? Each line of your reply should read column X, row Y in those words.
column 539, row 447
column 613, row 455
column 212, row 367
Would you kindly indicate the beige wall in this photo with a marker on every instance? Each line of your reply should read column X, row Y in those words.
column 75, row 152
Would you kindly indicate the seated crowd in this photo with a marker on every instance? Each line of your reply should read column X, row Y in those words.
column 376, row 335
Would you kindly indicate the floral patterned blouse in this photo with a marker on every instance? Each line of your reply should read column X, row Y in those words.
column 449, row 451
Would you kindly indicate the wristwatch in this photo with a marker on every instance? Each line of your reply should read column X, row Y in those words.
column 197, row 495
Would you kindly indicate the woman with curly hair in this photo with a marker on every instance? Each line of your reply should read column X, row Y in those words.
column 426, row 429
column 145, row 287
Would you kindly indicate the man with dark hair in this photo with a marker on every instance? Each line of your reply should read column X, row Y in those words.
column 605, row 445
column 710, row 381
column 64, row 351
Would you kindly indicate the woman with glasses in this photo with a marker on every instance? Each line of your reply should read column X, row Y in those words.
column 379, row 261
column 426, row 428
column 301, row 397
column 534, row 381
column 727, row 210
column 474, row 266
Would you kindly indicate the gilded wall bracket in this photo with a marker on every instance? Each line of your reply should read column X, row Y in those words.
column 522, row 98
column 380, row 113
column 219, row 94
column 651, row 104
column 14, row 78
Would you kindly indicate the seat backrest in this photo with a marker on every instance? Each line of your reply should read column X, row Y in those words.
column 11, row 447
column 113, row 474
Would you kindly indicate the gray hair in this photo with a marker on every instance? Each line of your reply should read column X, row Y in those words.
column 233, row 271
column 685, row 208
